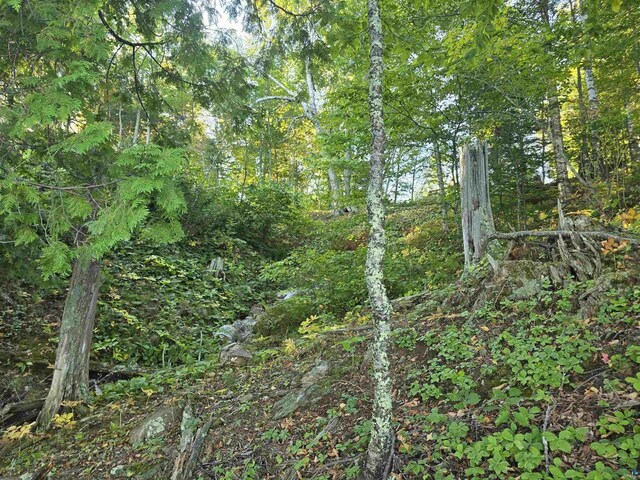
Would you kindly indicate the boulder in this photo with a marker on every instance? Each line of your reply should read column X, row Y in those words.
column 310, row 392
column 234, row 354
column 156, row 424
column 238, row 331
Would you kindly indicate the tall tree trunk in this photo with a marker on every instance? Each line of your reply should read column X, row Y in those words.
column 413, row 183
column 380, row 451
column 120, row 127
column 455, row 172
column 346, row 181
column 148, row 139
column 594, row 116
column 477, row 216
column 71, row 374
column 555, row 124
column 584, row 147
column 311, row 112
column 634, row 147
column 444, row 209
column 520, row 187
column 334, row 187
column 543, row 146
column 396, row 180
column 136, row 129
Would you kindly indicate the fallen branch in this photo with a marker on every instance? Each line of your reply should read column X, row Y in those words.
column 191, row 446
column 556, row 233
column 12, row 411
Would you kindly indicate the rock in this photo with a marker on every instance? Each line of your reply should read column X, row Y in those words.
column 256, row 311
column 310, row 392
column 226, row 331
column 319, row 371
column 156, row 424
column 238, row 331
column 245, row 398
column 287, row 295
column 235, row 354
column 243, row 329
column 119, row 471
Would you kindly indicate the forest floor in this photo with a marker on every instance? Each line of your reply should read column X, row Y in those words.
column 530, row 383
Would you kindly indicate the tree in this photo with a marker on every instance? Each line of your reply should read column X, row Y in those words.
column 69, row 183
column 380, row 452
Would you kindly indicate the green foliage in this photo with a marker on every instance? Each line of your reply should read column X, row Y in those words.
column 285, row 316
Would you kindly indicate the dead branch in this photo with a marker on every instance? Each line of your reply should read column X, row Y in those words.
column 562, row 233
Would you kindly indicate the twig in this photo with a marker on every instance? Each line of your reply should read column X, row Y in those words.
column 120, row 39
column 547, row 417
column 306, row 13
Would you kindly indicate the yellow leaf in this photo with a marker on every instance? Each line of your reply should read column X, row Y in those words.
column 484, row 328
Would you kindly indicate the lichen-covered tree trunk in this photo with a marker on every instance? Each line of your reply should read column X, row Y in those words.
column 555, row 124
column 71, row 374
column 477, row 216
column 380, row 451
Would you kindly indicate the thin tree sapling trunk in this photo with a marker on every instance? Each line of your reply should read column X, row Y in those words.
column 380, row 451
column 71, row 374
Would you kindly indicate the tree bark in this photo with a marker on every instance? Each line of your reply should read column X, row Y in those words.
column 555, row 124
column 71, row 374
column 594, row 116
column 136, row 129
column 477, row 216
column 346, row 180
column 311, row 112
column 380, row 451
column 584, row 148
column 334, row 186
column 444, row 209
column 634, row 147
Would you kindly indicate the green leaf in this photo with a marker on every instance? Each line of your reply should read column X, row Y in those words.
column 55, row 259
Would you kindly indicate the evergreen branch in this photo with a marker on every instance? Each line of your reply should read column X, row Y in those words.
column 121, row 39
column 171, row 73
column 70, row 188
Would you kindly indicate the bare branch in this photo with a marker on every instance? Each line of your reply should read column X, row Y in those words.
column 306, row 13
column 121, row 39
column 275, row 97
column 567, row 233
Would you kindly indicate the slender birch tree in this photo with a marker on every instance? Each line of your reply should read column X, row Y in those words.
column 380, row 452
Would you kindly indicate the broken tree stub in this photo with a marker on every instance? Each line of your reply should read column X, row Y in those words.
column 477, row 217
